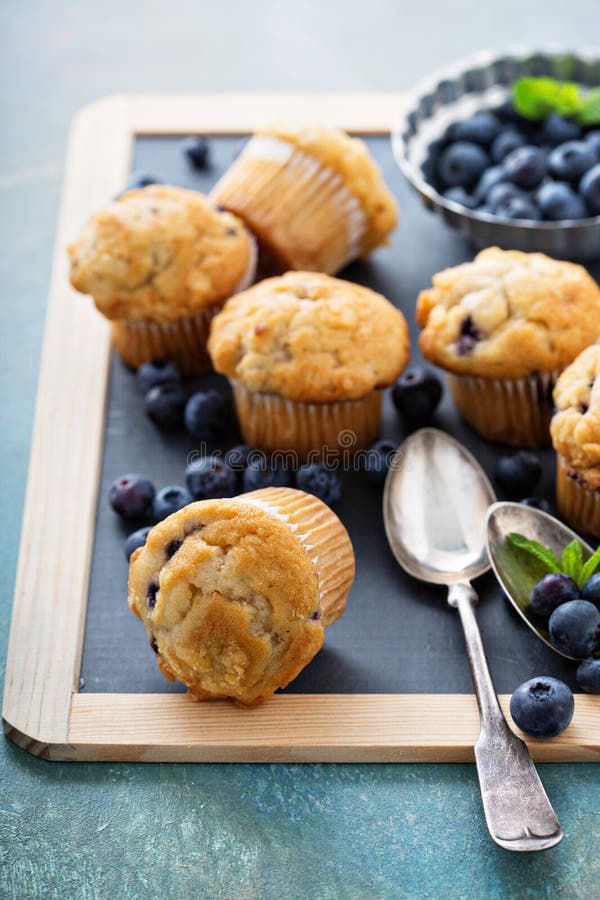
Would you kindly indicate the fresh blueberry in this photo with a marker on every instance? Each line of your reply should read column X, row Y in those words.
column 589, row 188
column 237, row 458
column 157, row 371
column 526, row 166
column 197, row 150
column 557, row 200
column 417, row 393
column 490, row 178
column 462, row 164
column 165, row 404
column 209, row 478
column 556, row 130
column 588, row 675
column 460, row 195
column 207, row 415
column 548, row 594
column 542, row 707
column 170, row 500
column 575, row 628
column 378, row 459
column 136, row 540
column 591, row 589
column 507, row 112
column 262, row 473
column 518, row 474
column 569, row 161
column 507, row 141
column 131, row 496
column 325, row 483
column 481, row 128
column 517, row 208
column 593, row 139
column 537, row 503
column 139, row 180
column 502, row 192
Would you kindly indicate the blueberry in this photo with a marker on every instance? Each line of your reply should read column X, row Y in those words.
column 507, row 112
column 170, row 500
column 462, row 164
column 588, row 675
column 197, row 150
column 518, row 474
column 209, row 478
column 503, row 191
column 491, row 177
column 591, row 589
column 480, row 128
column 131, row 496
column 569, row 161
column 550, row 592
column 207, row 415
column 557, row 200
column 325, row 483
column 165, row 404
column 556, row 130
column 237, row 458
column 469, row 337
column 157, row 371
column 542, row 707
column 417, row 393
column 136, row 540
column 517, row 208
column 507, row 141
column 537, row 503
column 378, row 459
column 460, row 195
column 575, row 628
column 139, row 180
column 592, row 138
column 262, row 473
column 526, row 166
column 589, row 188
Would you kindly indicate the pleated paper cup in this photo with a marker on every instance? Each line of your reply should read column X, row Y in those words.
column 270, row 422
column 323, row 537
column 301, row 211
column 577, row 503
column 514, row 411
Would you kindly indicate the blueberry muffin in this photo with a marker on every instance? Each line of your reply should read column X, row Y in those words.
column 575, row 432
column 159, row 262
column 307, row 356
column 503, row 327
column 236, row 594
column 313, row 196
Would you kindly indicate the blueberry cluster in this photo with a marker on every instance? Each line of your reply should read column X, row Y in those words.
column 501, row 163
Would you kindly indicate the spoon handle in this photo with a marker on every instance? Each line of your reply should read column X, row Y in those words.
column 517, row 810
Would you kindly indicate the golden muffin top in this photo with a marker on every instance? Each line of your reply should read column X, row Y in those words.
column 230, row 599
column 310, row 338
column 508, row 314
column 575, row 427
column 161, row 253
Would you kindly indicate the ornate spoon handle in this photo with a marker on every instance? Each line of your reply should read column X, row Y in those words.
column 517, row 810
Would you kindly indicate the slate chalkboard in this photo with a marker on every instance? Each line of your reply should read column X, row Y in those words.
column 397, row 636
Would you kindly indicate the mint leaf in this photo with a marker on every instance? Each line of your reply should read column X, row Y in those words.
column 544, row 554
column 536, row 98
column 590, row 566
column 572, row 561
column 590, row 111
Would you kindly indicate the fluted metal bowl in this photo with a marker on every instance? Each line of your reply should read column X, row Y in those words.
column 480, row 82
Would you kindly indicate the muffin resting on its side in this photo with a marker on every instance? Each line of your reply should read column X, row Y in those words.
column 236, row 594
column 313, row 196
column 575, row 432
column 159, row 263
column 504, row 326
column 307, row 355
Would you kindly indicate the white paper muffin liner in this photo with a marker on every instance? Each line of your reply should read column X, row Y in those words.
column 578, row 504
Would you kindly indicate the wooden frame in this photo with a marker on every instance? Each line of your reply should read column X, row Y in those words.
column 43, row 711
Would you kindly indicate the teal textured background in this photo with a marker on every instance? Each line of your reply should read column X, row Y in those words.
column 187, row 831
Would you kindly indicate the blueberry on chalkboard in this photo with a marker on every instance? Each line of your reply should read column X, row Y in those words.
column 165, row 404
column 138, row 180
column 322, row 481
column 378, row 459
column 207, row 415
column 136, row 540
column 210, row 478
column 131, row 495
column 237, row 457
column 518, row 474
column 170, row 500
column 197, row 151
column 157, row 371
column 262, row 473
column 542, row 707
column 537, row 503
column 417, row 393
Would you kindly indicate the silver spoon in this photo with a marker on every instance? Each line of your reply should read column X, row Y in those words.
column 518, row 572
column 434, row 507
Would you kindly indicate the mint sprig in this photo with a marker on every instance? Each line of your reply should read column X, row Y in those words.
column 571, row 562
column 536, row 98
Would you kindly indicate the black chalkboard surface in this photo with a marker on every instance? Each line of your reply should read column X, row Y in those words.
column 397, row 635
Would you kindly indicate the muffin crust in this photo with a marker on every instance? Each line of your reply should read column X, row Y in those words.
column 575, row 427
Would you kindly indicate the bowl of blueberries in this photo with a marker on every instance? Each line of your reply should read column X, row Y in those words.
column 507, row 149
